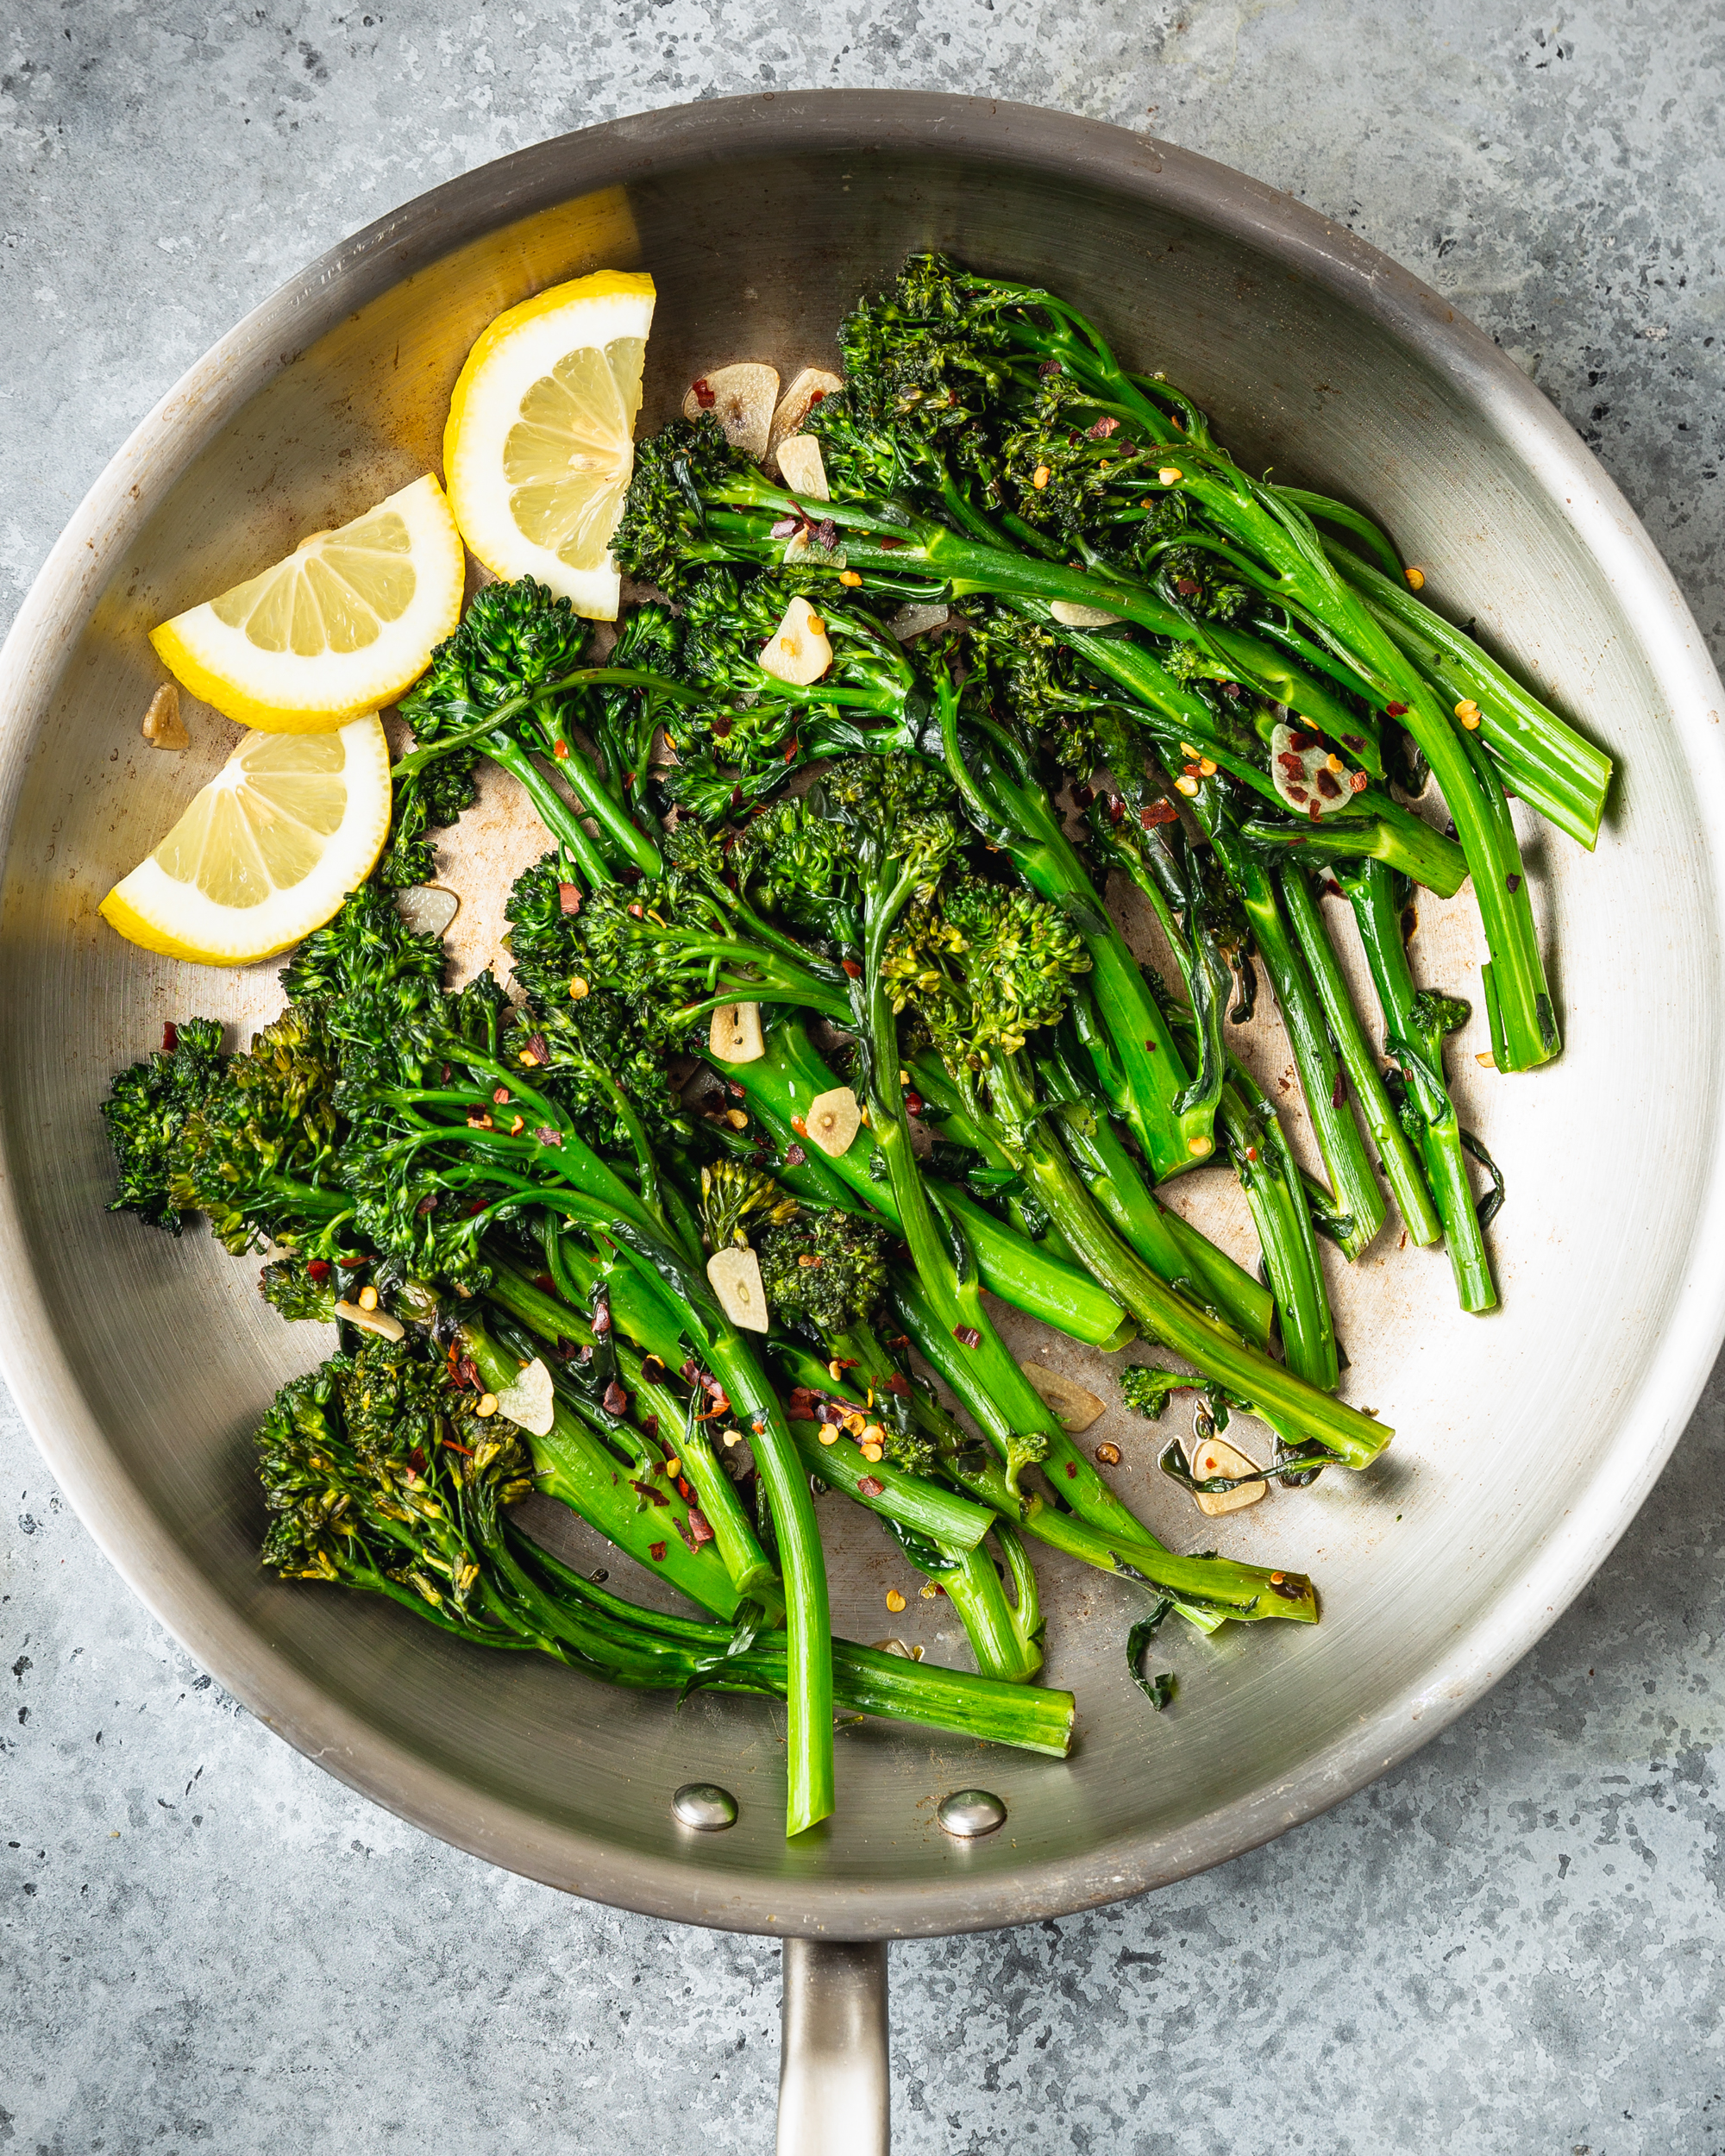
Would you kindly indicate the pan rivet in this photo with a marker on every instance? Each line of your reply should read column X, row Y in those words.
column 706, row 1807
column 968, row 1813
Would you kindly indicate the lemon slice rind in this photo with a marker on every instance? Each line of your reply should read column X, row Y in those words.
column 529, row 374
column 259, row 819
column 367, row 605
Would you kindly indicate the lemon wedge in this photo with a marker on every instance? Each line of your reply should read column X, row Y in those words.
column 346, row 623
column 540, row 441
column 266, row 852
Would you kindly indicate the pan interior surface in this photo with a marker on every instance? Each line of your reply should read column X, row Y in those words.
column 1524, row 1439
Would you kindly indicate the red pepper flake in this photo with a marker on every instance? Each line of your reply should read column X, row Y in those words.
column 319, row 1268
column 559, row 750
column 870, row 1485
column 1353, row 742
column 1105, row 426
column 656, row 1552
column 1158, row 812
column 890, row 546
column 795, row 1157
column 1082, row 795
column 1327, row 787
column 474, row 1209
column 500, row 1096
column 690, row 1371
column 1047, row 367
column 1186, row 587
column 1116, row 809
column 1513, row 884
column 570, row 897
column 636, row 912
column 722, row 725
column 426, row 1205
column 1301, row 741
column 1338, row 1091
column 913, row 1103
column 169, row 1038
column 1359, row 781
column 1315, row 811
column 1072, row 1470
column 706, row 397
column 898, row 1385
column 416, row 1459
column 653, row 1496
column 1148, row 1046
column 784, row 527
column 683, row 1489
column 545, row 1282
column 1396, row 710
column 616, row 1400
column 697, row 1533
column 653, row 1372
column 1289, row 761
column 794, row 751
column 736, row 797
column 601, row 1319
column 967, row 1336
column 546, row 1136
column 449, row 1446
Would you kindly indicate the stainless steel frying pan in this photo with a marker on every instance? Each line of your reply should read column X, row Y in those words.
column 1525, row 1440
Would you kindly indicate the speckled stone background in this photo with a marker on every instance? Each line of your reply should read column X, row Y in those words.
column 1511, row 1945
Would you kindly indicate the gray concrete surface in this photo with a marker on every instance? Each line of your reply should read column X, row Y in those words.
column 1511, row 1945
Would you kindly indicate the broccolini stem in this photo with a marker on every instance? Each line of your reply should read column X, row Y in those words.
column 1355, row 1439
column 911, row 1500
column 1545, row 761
column 1396, row 1155
column 1370, row 890
column 782, row 1084
column 1174, row 1137
column 578, row 1472
column 865, row 1681
column 1004, row 1643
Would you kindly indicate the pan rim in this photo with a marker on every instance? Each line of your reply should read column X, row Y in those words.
column 1114, row 161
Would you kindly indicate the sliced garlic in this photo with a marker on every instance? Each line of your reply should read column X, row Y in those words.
column 427, row 908
column 1077, row 1406
column 378, row 1321
column 806, row 389
column 917, row 621
column 528, row 1399
column 164, row 728
column 734, row 1033
column 801, row 468
column 1207, row 1457
column 1310, row 780
column 833, row 1120
column 797, row 650
column 1077, row 617
column 741, row 398
column 734, row 1276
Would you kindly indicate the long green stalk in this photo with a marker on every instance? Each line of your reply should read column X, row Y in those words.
column 1365, row 1081
column 1418, row 1044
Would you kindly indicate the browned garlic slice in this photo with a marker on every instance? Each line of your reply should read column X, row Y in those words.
column 741, row 398
column 797, row 650
column 807, row 388
column 528, row 1399
column 833, row 1120
column 1207, row 1457
column 1077, row 1406
column 734, row 1276
column 163, row 727
column 801, row 468
column 734, row 1033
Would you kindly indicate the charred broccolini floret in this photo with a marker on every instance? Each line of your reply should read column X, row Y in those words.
column 145, row 1113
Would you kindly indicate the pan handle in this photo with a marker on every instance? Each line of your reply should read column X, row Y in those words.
column 833, row 2086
